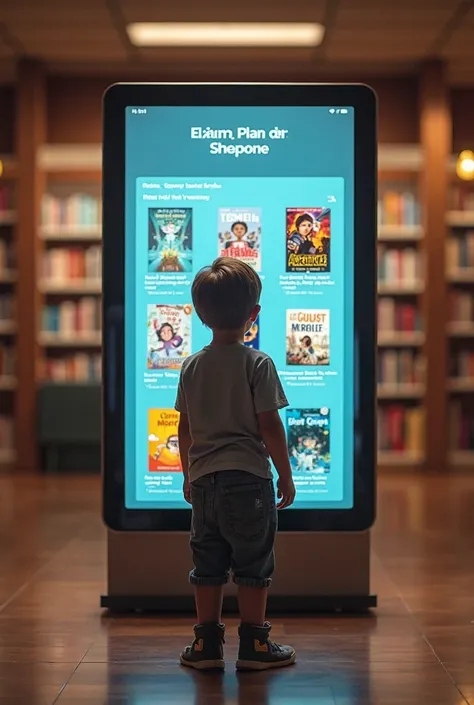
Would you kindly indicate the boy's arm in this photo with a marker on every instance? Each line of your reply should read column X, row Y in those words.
column 274, row 438
column 184, row 438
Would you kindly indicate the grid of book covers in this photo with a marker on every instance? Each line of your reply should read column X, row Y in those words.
column 306, row 240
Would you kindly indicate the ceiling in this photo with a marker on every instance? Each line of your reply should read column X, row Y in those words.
column 363, row 38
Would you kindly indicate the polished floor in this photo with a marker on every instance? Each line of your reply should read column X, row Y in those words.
column 56, row 647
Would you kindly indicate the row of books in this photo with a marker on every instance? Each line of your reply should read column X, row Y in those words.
column 461, row 198
column 78, row 367
column 462, row 364
column 61, row 264
column 461, row 426
column 6, row 432
column 401, row 428
column 7, row 360
column 461, row 305
column 460, row 250
column 402, row 265
column 70, row 317
column 6, row 198
column 76, row 209
column 7, row 255
column 400, row 367
column 396, row 315
column 7, row 307
column 398, row 207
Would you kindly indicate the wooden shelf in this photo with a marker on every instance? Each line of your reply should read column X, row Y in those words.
column 399, row 339
column 461, row 457
column 460, row 219
column 461, row 385
column 399, row 289
column 400, row 391
column 74, row 233
column 71, row 287
column 7, row 217
column 7, row 382
column 7, row 456
column 400, row 233
column 7, row 327
column 92, row 339
column 403, row 458
column 461, row 329
column 461, row 276
column 8, row 277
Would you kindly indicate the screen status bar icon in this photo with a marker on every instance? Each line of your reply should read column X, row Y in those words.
column 338, row 111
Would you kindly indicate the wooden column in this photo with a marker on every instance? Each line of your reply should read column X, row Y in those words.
column 31, row 134
column 436, row 137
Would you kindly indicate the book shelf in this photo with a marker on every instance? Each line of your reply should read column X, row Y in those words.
column 8, row 317
column 401, row 335
column 70, row 279
column 460, row 326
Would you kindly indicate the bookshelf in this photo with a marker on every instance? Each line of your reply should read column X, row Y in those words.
column 401, row 335
column 69, row 281
column 460, row 325
column 8, row 318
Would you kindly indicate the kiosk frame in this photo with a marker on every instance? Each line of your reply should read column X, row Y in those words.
column 339, row 577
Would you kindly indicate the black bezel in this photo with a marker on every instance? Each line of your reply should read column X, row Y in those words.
column 116, row 99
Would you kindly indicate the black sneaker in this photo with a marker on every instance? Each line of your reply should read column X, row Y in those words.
column 206, row 652
column 257, row 652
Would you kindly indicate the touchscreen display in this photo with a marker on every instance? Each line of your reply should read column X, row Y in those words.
column 273, row 186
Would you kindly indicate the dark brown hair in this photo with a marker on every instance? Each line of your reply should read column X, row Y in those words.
column 225, row 293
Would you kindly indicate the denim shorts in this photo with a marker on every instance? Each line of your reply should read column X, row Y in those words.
column 234, row 522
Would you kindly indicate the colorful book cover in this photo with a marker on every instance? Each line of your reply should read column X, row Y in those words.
column 170, row 240
column 240, row 235
column 252, row 336
column 308, row 434
column 308, row 239
column 307, row 337
column 169, row 335
column 163, row 447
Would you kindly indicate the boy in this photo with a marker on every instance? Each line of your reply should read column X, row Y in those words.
column 228, row 399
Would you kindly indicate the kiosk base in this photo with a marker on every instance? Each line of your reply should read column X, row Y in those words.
column 316, row 572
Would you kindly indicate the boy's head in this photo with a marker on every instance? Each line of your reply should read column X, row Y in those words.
column 304, row 224
column 239, row 228
column 226, row 294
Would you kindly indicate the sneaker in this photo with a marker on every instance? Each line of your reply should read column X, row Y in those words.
column 206, row 652
column 257, row 652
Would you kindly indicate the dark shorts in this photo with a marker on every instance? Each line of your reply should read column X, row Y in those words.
column 234, row 522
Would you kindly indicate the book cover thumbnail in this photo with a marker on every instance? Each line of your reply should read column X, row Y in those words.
column 163, row 447
column 307, row 337
column 170, row 240
column 308, row 239
column 308, row 433
column 169, row 335
column 240, row 235
column 252, row 336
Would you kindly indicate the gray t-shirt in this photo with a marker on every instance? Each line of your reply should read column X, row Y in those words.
column 222, row 388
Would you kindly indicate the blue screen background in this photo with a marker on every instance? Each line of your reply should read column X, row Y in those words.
column 312, row 166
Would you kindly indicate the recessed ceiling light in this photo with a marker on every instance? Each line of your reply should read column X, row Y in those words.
column 225, row 34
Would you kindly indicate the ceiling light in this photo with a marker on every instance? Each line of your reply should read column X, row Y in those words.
column 465, row 165
column 225, row 34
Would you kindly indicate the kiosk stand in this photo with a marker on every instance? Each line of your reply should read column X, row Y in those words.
column 316, row 572
column 282, row 177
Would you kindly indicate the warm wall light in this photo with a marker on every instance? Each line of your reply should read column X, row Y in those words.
column 1, row 168
column 465, row 165
column 225, row 34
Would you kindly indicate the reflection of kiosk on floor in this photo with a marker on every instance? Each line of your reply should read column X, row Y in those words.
column 288, row 186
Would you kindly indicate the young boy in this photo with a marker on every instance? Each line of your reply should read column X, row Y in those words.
column 228, row 398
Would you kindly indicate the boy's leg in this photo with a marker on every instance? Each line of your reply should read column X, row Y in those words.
column 211, row 555
column 248, row 520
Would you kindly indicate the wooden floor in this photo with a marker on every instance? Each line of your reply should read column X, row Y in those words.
column 56, row 648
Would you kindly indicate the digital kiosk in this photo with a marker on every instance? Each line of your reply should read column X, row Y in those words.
column 283, row 177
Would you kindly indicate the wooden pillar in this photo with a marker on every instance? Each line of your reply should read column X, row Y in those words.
column 436, row 137
column 31, row 134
